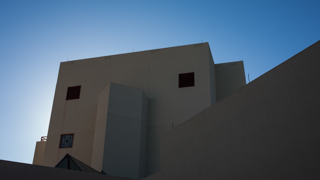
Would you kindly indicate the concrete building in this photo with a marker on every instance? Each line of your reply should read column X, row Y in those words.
column 110, row 112
column 268, row 129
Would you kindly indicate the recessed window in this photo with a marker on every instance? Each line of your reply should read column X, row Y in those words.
column 186, row 80
column 73, row 92
column 66, row 140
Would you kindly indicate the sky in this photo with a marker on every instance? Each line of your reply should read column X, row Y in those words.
column 35, row 36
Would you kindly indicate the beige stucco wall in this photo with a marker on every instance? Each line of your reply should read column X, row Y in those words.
column 75, row 116
column 154, row 72
column 39, row 153
column 268, row 129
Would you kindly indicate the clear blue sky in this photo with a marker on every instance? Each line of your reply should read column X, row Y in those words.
column 35, row 36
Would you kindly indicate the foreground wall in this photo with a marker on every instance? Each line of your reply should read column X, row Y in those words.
column 268, row 129
column 17, row 171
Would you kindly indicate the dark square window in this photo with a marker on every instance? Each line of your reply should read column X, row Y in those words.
column 73, row 92
column 66, row 140
column 186, row 80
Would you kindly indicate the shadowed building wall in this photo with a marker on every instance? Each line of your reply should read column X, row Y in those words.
column 269, row 129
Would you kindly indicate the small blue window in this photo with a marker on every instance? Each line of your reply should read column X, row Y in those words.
column 66, row 140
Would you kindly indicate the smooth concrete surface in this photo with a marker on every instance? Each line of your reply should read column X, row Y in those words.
column 18, row 171
column 229, row 78
column 124, row 151
column 39, row 152
column 269, row 129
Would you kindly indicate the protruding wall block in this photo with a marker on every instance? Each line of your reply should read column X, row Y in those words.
column 122, row 145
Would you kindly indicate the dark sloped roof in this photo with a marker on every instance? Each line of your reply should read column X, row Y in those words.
column 69, row 162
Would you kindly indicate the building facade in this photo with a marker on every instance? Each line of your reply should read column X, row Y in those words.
column 110, row 112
